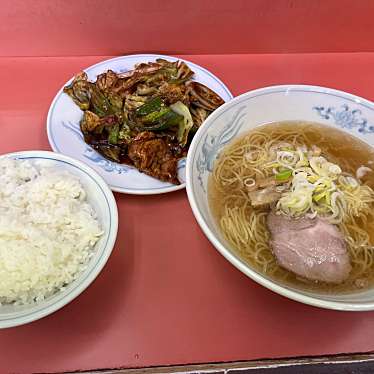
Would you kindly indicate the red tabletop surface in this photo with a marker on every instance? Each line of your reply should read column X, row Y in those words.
column 166, row 296
column 113, row 27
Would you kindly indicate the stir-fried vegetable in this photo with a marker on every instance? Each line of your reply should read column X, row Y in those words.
column 153, row 117
column 186, row 123
column 151, row 106
column 157, row 97
column 165, row 120
column 113, row 134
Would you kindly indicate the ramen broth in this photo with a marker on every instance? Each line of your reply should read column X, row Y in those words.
column 338, row 147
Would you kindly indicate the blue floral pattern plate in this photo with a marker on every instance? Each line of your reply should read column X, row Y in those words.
column 65, row 137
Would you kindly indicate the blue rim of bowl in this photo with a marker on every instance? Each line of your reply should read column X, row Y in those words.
column 133, row 191
column 234, row 260
column 58, row 300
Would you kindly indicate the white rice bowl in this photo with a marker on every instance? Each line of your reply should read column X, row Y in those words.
column 58, row 223
column 47, row 230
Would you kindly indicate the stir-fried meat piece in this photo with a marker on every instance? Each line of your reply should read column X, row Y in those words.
column 152, row 156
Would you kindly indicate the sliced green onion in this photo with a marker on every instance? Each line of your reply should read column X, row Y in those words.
column 328, row 197
column 319, row 196
column 283, row 175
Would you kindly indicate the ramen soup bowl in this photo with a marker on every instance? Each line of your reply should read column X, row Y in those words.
column 337, row 112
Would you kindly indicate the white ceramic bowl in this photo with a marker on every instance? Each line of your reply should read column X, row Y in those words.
column 101, row 198
column 330, row 107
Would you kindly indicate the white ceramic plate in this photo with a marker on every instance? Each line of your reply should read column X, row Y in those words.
column 337, row 109
column 102, row 200
column 65, row 137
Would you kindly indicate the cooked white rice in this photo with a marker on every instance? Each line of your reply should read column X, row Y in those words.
column 47, row 230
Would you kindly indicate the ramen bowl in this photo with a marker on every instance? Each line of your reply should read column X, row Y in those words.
column 328, row 107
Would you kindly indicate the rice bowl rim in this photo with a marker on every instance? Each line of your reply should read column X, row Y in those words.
column 59, row 299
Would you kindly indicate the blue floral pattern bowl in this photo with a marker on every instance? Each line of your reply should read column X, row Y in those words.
column 327, row 106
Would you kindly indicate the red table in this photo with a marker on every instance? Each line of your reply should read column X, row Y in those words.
column 166, row 296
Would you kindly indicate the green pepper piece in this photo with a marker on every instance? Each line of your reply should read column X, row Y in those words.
column 283, row 175
column 113, row 134
column 152, row 105
column 99, row 103
column 169, row 119
column 155, row 116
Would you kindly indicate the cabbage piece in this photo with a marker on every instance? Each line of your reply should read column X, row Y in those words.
column 80, row 91
column 90, row 123
column 106, row 81
column 185, row 125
